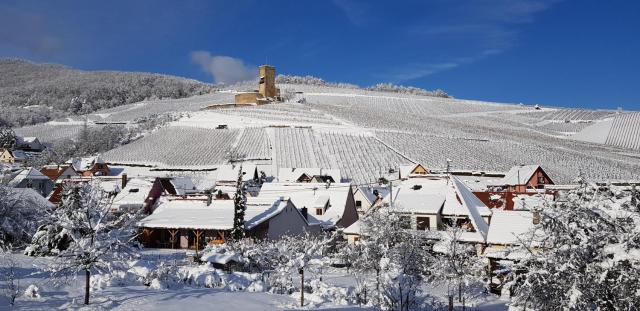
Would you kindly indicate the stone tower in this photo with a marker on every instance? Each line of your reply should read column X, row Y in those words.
column 268, row 81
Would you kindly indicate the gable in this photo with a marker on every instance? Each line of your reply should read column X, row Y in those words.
column 419, row 170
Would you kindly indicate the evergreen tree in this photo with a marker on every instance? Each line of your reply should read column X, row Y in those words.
column 240, row 205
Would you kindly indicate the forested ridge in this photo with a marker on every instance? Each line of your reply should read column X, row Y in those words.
column 33, row 93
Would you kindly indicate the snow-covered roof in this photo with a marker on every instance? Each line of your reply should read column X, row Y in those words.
column 258, row 209
column 19, row 155
column 29, row 173
column 462, row 202
column 310, row 195
column 519, row 175
column 474, row 208
column 192, row 214
column 134, row 193
column 183, row 185
column 229, row 173
column 86, row 163
column 30, row 196
column 420, row 195
column 27, row 139
column 353, row 229
column 529, row 202
column 291, row 174
column 189, row 214
column 507, row 226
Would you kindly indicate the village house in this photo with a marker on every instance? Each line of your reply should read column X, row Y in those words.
column 524, row 178
column 328, row 205
column 31, row 144
column 90, row 166
column 431, row 203
column 369, row 196
column 520, row 188
column 194, row 223
column 415, row 170
column 135, row 195
column 58, row 172
column 308, row 175
column 12, row 156
column 32, row 178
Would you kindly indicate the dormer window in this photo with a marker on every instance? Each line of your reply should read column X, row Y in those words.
column 319, row 211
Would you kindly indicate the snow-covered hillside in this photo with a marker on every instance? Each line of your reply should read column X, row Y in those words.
column 366, row 133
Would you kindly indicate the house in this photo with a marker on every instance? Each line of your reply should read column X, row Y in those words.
column 523, row 178
column 90, row 166
column 12, row 156
column 369, row 196
column 134, row 196
column 29, row 144
column 329, row 205
column 352, row 233
column 308, row 174
column 58, row 172
column 32, row 178
column 415, row 170
column 193, row 223
column 463, row 209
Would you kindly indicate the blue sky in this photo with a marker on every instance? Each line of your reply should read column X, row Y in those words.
column 556, row 52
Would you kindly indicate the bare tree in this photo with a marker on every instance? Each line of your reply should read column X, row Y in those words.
column 11, row 289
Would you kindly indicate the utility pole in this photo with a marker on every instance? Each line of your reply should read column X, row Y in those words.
column 391, row 193
column 301, row 287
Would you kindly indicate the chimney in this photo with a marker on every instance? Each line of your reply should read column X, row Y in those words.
column 304, row 213
column 536, row 217
column 124, row 181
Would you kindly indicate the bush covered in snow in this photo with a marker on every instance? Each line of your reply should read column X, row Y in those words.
column 389, row 87
column 589, row 254
column 20, row 216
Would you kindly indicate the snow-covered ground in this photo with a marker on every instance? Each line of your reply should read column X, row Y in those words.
column 126, row 292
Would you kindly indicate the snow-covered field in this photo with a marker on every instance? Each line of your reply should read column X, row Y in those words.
column 365, row 133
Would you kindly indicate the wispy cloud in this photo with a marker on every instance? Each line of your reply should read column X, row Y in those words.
column 224, row 69
column 420, row 70
column 27, row 31
column 478, row 29
column 357, row 12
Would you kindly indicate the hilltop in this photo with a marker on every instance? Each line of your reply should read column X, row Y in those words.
column 34, row 93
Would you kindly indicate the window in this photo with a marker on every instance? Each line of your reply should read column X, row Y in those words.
column 358, row 204
column 423, row 223
column 318, row 211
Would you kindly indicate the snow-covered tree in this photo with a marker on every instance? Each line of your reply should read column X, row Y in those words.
column 240, row 205
column 20, row 215
column 588, row 256
column 100, row 240
column 394, row 255
column 7, row 137
column 11, row 286
column 457, row 262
